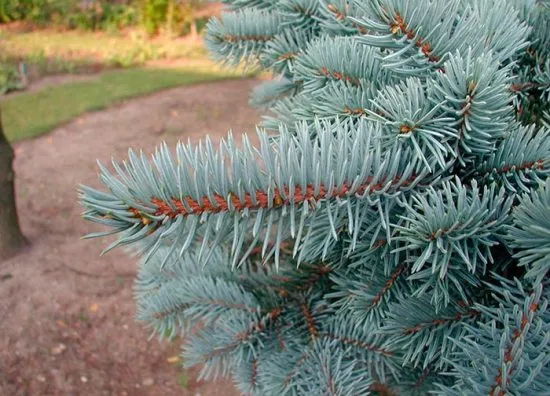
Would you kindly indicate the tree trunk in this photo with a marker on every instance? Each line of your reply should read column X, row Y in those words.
column 170, row 19
column 11, row 238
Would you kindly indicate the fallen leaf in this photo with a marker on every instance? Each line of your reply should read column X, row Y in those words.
column 173, row 359
column 60, row 323
column 93, row 308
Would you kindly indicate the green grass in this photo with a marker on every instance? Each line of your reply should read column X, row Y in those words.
column 50, row 52
column 34, row 113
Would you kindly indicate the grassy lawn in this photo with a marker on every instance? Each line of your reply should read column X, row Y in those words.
column 46, row 52
column 31, row 114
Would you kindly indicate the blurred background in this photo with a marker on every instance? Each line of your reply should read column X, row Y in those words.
column 80, row 81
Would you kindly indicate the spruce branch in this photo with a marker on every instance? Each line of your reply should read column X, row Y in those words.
column 222, row 346
column 281, row 52
column 337, row 17
column 242, row 35
column 392, row 21
column 542, row 80
column 248, row 4
column 338, row 101
column 474, row 92
column 409, row 115
column 355, row 250
column 348, row 61
column 504, row 33
column 356, row 342
column 285, row 112
column 300, row 14
column 423, row 334
column 530, row 233
column 413, row 382
column 309, row 320
column 418, row 381
column 451, row 230
column 292, row 367
column 508, row 351
column 327, row 371
column 521, row 160
column 173, row 294
column 246, row 377
column 298, row 363
column 168, row 200
column 269, row 92
column 182, row 304
column 289, row 283
column 365, row 291
column 422, row 40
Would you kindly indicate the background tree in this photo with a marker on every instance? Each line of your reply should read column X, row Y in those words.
column 170, row 17
column 174, row 17
column 391, row 233
column 11, row 238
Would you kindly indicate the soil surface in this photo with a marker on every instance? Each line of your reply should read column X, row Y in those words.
column 67, row 315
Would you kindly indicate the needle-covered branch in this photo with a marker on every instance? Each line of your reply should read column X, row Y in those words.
column 267, row 193
column 390, row 235
column 420, row 34
column 531, row 232
column 506, row 353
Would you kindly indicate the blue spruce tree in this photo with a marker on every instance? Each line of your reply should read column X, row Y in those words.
column 391, row 233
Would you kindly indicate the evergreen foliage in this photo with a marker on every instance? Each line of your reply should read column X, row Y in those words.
column 391, row 233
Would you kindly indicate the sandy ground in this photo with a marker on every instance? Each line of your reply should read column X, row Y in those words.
column 67, row 316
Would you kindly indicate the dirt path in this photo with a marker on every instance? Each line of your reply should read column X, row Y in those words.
column 67, row 314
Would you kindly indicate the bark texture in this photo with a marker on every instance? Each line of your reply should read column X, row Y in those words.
column 11, row 238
